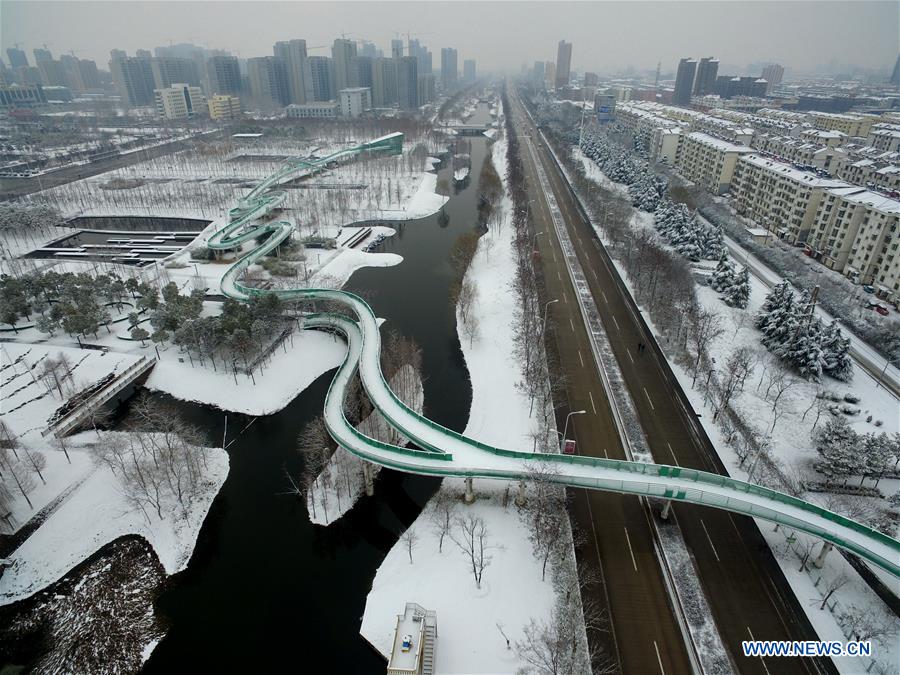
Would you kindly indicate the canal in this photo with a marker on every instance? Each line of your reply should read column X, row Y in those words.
column 266, row 590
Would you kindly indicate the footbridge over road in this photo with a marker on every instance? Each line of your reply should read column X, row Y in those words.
column 443, row 452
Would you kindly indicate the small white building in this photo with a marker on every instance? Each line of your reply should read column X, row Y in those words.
column 321, row 110
column 415, row 638
column 355, row 101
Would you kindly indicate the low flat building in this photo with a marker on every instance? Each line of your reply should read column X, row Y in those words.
column 355, row 101
column 708, row 161
column 322, row 110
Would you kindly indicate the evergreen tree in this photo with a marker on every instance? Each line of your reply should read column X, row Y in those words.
column 836, row 353
column 877, row 455
column 723, row 276
column 837, row 444
column 805, row 352
column 781, row 294
column 780, row 325
column 738, row 293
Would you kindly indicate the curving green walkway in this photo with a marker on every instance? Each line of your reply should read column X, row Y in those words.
column 447, row 453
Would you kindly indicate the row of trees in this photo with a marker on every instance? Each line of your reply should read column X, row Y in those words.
column 693, row 238
column 846, row 453
column 792, row 332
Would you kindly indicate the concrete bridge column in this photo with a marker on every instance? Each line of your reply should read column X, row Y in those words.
column 664, row 514
column 520, row 494
column 820, row 560
column 470, row 493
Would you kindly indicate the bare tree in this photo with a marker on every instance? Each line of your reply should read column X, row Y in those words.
column 471, row 536
column 544, row 512
column 780, row 383
column 443, row 515
column 830, row 586
column 870, row 623
column 410, row 539
column 707, row 327
column 737, row 370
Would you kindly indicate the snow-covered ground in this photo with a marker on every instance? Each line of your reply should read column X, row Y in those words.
column 792, row 446
column 512, row 592
column 95, row 513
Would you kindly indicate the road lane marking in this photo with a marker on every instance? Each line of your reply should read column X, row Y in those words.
column 673, row 453
column 760, row 658
column 557, row 275
column 659, row 658
column 709, row 539
column 627, row 351
column 565, row 298
column 615, row 322
column 604, row 297
column 572, row 324
column 648, row 398
column 594, row 272
column 605, row 454
column 593, row 407
column 580, row 359
column 630, row 550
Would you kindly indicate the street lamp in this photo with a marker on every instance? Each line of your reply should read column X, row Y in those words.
column 546, row 307
column 566, row 426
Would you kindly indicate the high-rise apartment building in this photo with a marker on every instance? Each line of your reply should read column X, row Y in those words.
column 344, row 54
column 408, row 82
column 268, row 81
column 469, row 74
column 42, row 55
column 17, row 58
column 293, row 54
column 773, row 74
column 133, row 77
column 427, row 91
column 538, row 72
column 223, row 74
column 396, row 49
column 684, row 82
column 563, row 63
column 423, row 56
column 707, row 71
column 169, row 70
column 550, row 74
column 384, row 82
column 363, row 67
column 321, row 77
column 449, row 68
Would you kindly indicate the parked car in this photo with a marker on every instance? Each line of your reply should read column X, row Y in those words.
column 881, row 309
column 868, row 288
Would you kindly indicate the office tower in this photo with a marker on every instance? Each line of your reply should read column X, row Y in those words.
column 563, row 63
column 538, row 72
column 707, row 71
column 268, row 81
column 423, row 57
column 321, row 77
column 408, row 82
column 449, row 68
column 293, row 53
column 170, row 70
column 469, row 70
column 550, row 74
column 42, row 55
column 774, row 73
column 684, row 82
column 591, row 79
column 132, row 77
column 17, row 58
column 223, row 73
column 180, row 101
column 396, row 49
column 343, row 52
column 384, row 82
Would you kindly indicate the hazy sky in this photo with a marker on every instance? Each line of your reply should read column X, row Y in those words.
column 500, row 35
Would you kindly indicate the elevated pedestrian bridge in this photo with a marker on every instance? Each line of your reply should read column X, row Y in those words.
column 444, row 452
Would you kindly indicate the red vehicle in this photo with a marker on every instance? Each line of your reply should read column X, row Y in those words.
column 569, row 447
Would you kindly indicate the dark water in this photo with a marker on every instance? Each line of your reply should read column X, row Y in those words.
column 266, row 590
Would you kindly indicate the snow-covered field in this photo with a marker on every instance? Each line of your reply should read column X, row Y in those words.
column 95, row 513
column 470, row 619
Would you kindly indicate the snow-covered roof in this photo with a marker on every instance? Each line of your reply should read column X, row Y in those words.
column 791, row 172
column 718, row 143
column 874, row 200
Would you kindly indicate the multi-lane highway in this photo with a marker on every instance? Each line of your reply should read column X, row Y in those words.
column 745, row 587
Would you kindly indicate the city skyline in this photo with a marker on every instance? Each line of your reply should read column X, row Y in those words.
column 767, row 30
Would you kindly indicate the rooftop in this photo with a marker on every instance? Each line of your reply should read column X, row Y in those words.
column 793, row 173
column 875, row 200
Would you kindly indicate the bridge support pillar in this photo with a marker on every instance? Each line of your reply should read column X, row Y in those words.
column 369, row 476
column 820, row 560
column 520, row 494
column 470, row 493
column 664, row 514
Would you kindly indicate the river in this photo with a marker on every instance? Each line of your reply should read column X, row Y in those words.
column 265, row 589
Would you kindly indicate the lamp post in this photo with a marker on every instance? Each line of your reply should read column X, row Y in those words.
column 544, row 322
column 566, row 426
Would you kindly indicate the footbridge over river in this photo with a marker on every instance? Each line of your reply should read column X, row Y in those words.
column 443, row 452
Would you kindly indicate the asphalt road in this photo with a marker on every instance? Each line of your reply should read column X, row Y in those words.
column 745, row 587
